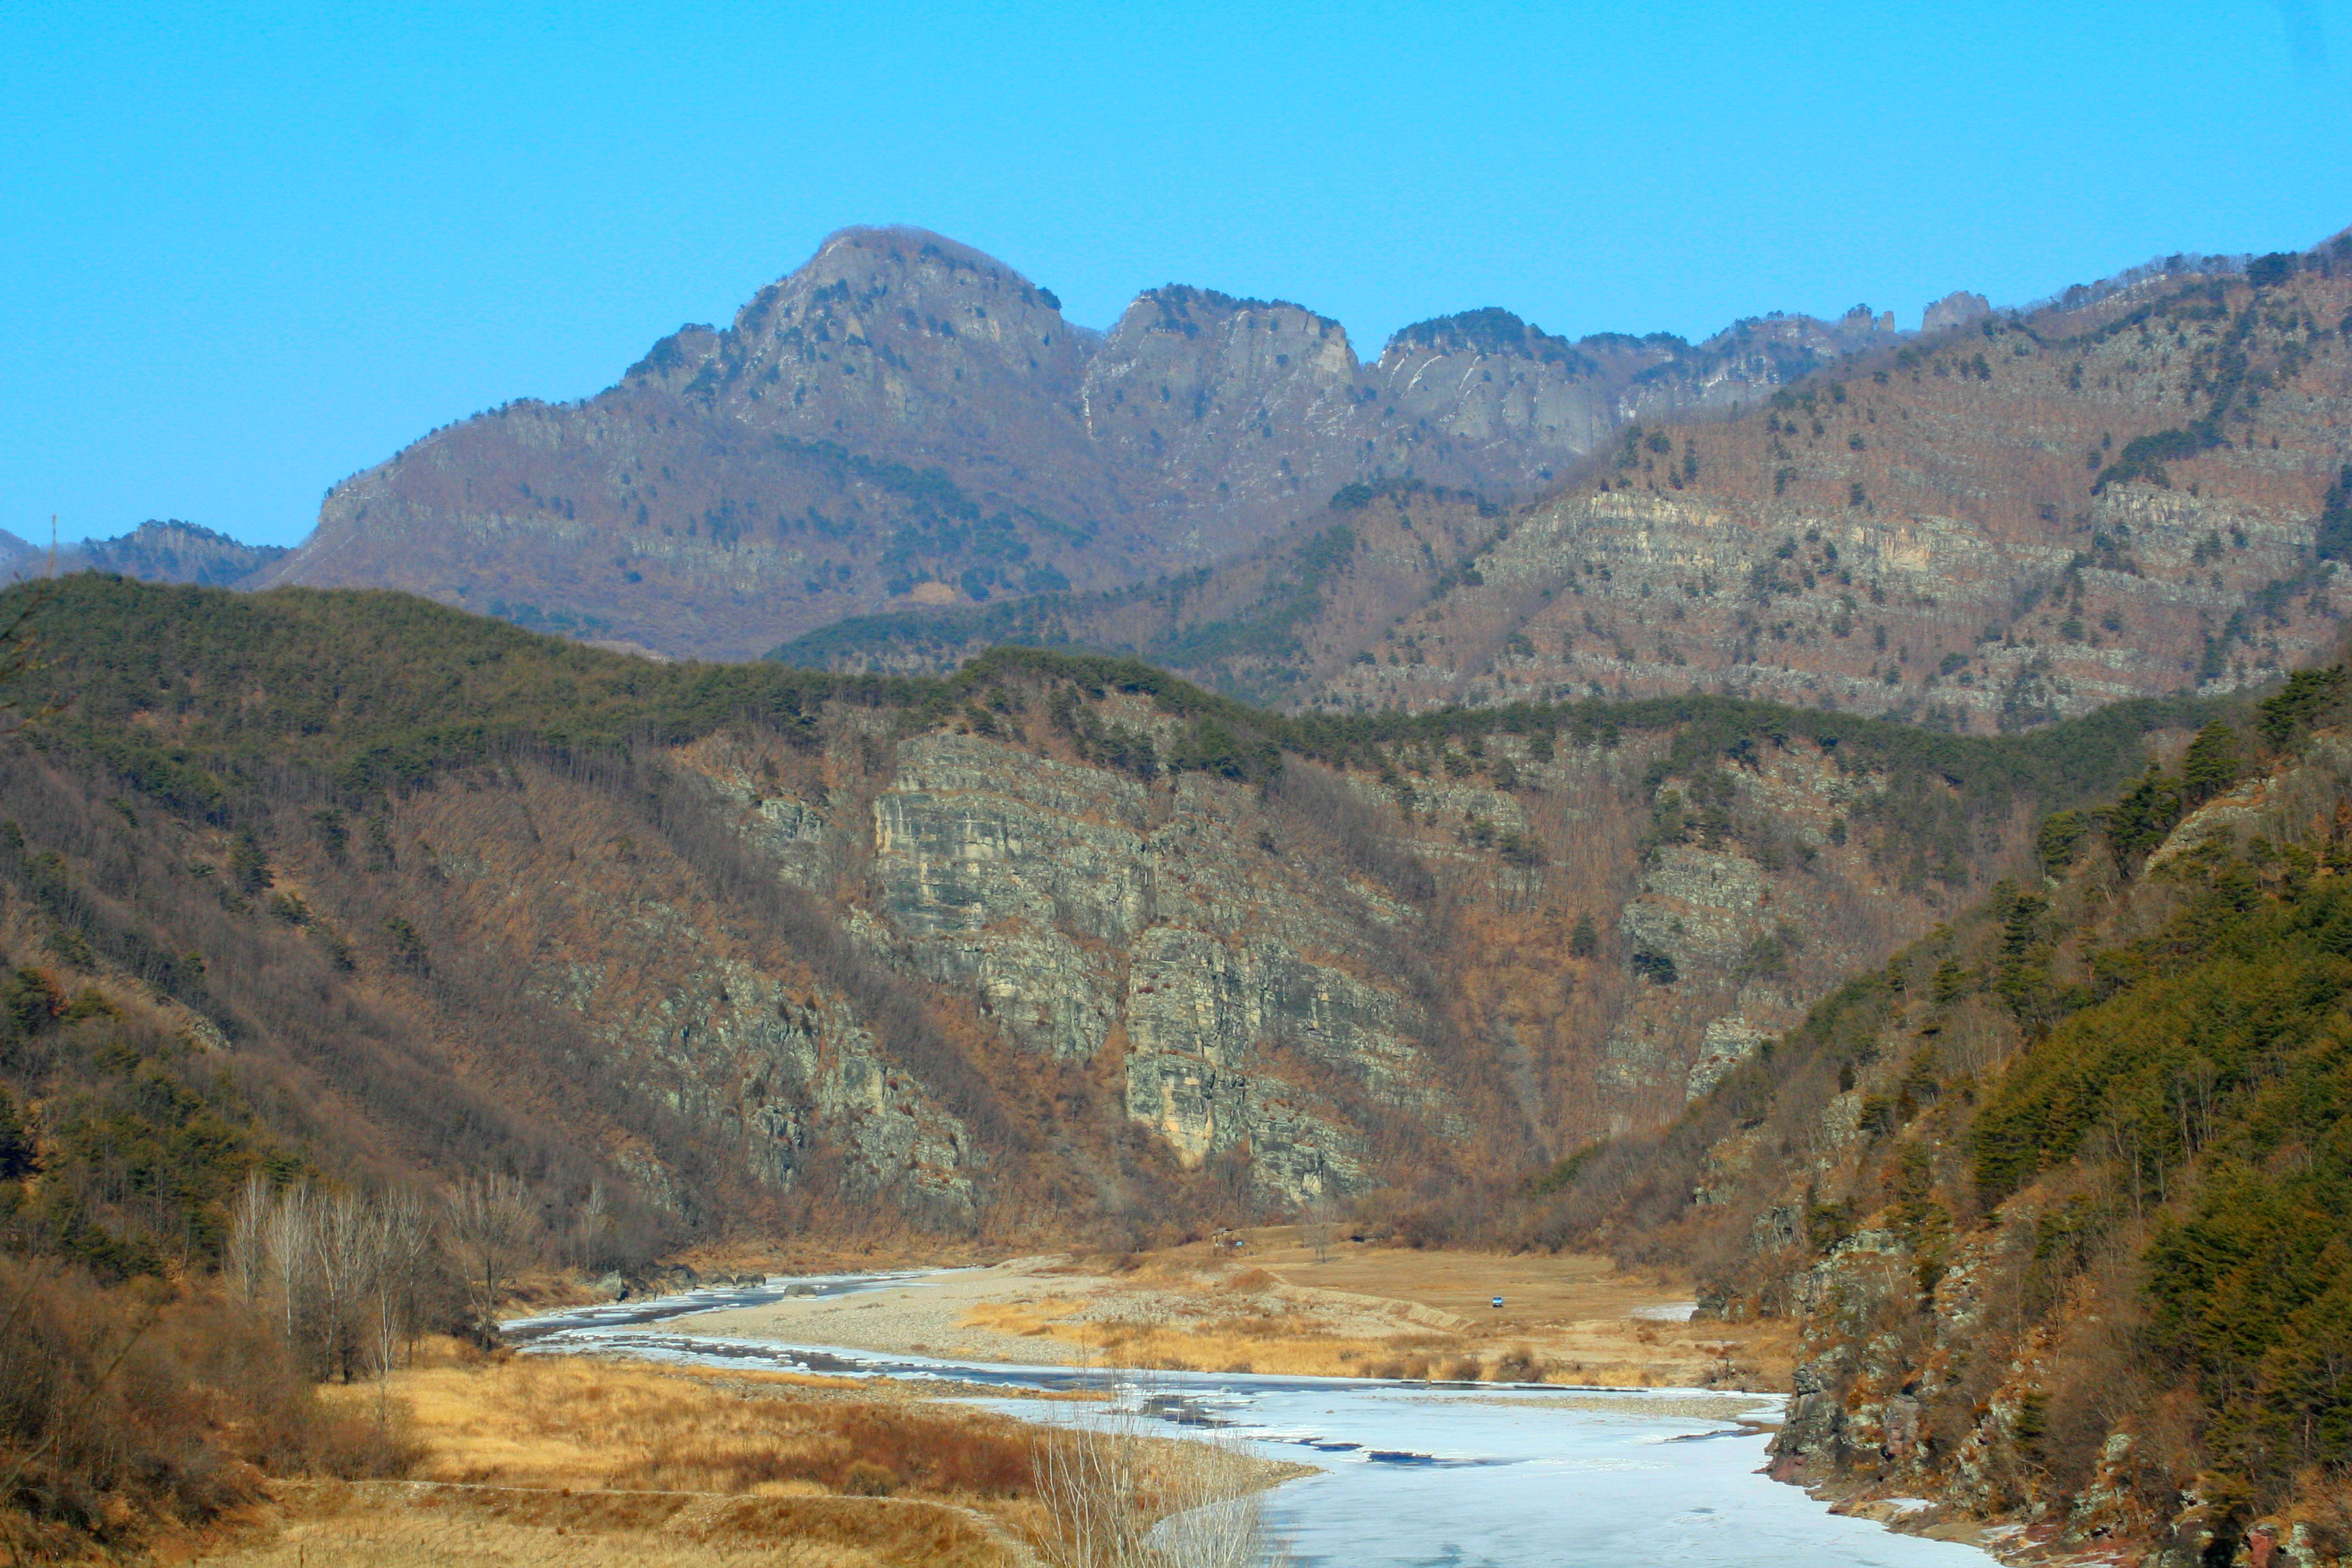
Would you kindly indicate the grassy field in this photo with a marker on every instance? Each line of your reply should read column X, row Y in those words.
column 395, row 1525
column 526, row 1461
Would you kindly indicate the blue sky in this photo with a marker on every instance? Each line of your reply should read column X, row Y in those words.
column 249, row 249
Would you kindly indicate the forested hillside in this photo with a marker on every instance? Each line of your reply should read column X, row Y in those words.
column 1273, row 626
column 1052, row 936
column 2062, row 1194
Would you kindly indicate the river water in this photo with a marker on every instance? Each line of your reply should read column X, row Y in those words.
column 1410, row 1475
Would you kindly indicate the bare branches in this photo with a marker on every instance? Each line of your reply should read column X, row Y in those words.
column 490, row 1223
column 1116, row 1496
column 346, row 1278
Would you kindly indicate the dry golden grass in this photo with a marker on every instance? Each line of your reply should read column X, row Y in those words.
column 1286, row 1309
column 557, row 1421
column 552, row 1460
column 1249, row 1341
column 1291, row 1344
column 535, row 1460
column 391, row 1524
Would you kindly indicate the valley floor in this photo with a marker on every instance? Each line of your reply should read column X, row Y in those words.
column 1279, row 1303
column 525, row 1461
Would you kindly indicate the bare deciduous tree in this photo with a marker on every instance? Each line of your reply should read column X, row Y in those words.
column 1322, row 1225
column 287, row 1233
column 491, row 1223
column 245, row 1262
column 346, row 1277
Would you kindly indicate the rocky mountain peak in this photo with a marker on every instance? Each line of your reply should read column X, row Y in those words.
column 863, row 278
column 1490, row 331
column 1957, row 309
column 894, row 329
column 1237, row 403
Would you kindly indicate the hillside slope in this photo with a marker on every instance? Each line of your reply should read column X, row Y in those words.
column 1057, row 942
column 905, row 421
column 2019, row 518
column 1274, row 624
column 2059, row 1195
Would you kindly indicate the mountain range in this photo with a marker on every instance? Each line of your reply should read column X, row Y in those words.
column 154, row 552
column 905, row 421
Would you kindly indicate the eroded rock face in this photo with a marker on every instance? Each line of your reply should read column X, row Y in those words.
column 1957, row 309
column 2006, row 523
column 1087, row 908
column 1500, row 397
column 1302, row 988
column 1727, row 1042
column 1066, row 938
column 718, row 1022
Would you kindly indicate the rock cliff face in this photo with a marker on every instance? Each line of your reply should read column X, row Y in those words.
column 2141, row 492
column 905, row 422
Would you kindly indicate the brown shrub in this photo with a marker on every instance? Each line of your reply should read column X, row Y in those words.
column 866, row 1478
column 122, row 1408
column 1518, row 1364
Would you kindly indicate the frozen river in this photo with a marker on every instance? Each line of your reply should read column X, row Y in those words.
column 1411, row 1475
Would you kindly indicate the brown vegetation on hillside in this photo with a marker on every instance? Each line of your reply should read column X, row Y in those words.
column 1986, row 528
column 694, row 949
column 123, row 1412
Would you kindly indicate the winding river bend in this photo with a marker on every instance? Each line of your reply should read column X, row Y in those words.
column 1410, row 1474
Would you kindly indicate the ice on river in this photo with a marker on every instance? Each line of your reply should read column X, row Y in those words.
column 1412, row 1476
column 1479, row 1478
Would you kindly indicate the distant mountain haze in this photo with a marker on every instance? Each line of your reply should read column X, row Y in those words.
column 155, row 551
column 906, row 422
